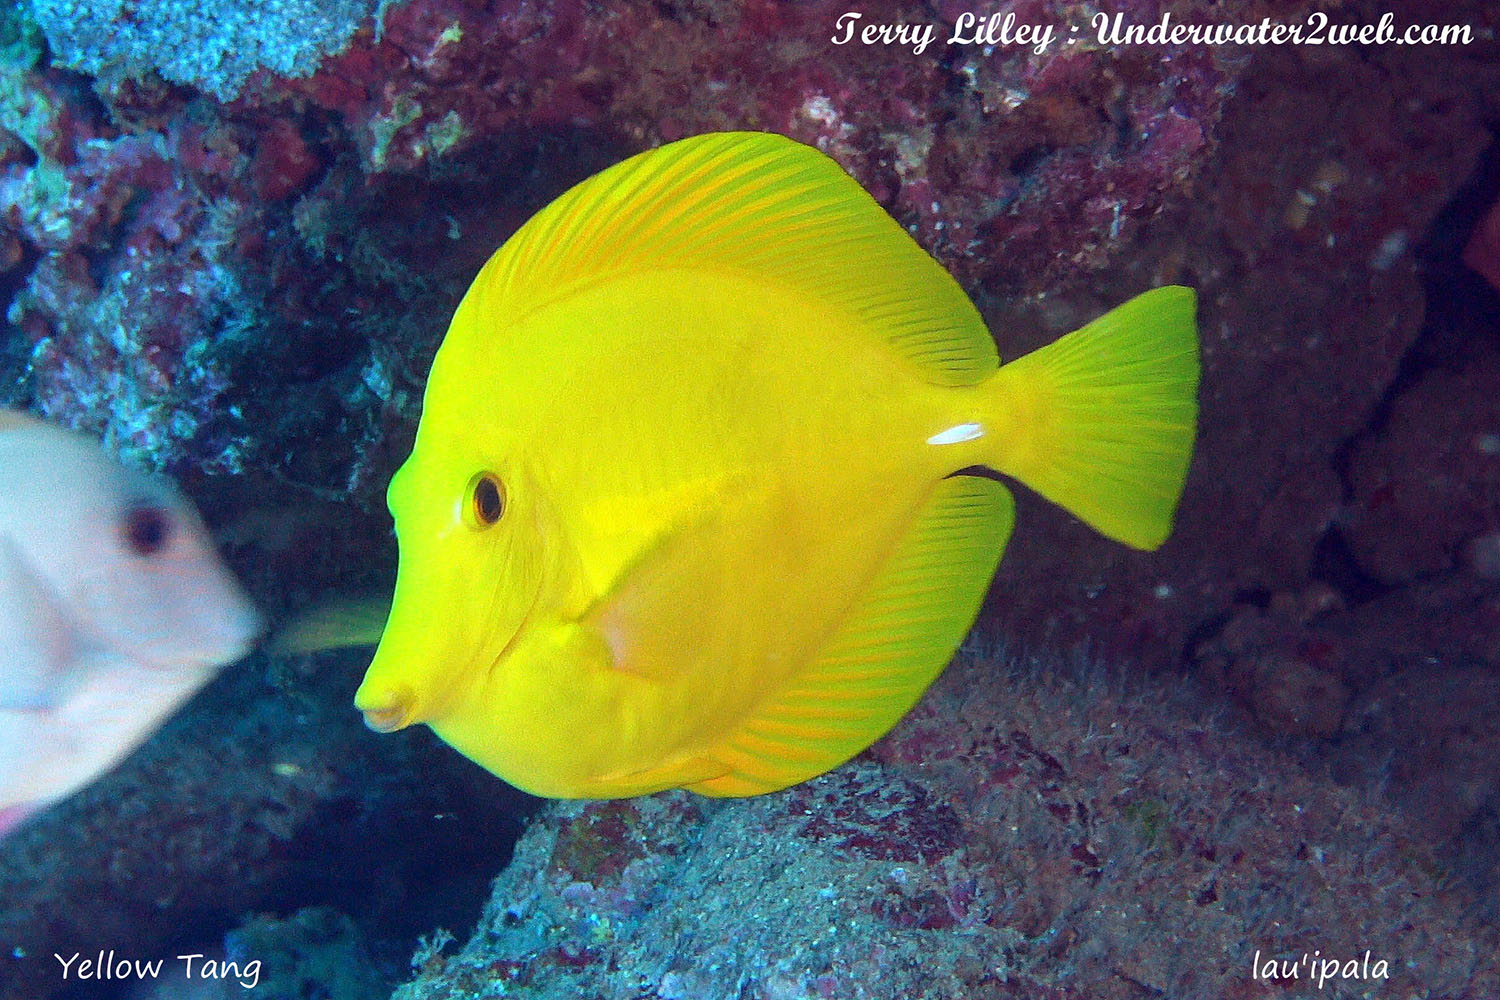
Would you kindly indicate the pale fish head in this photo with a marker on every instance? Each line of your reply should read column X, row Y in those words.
column 161, row 595
column 470, row 576
column 127, row 556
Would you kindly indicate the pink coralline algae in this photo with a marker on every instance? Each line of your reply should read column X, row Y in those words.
column 973, row 147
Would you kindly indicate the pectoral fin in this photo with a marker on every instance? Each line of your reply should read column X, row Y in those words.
column 647, row 606
column 644, row 618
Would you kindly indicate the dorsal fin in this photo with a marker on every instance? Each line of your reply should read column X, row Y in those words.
column 752, row 204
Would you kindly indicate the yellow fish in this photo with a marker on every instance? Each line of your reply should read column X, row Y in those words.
column 704, row 491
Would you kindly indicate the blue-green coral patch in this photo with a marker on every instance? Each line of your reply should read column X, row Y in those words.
column 212, row 46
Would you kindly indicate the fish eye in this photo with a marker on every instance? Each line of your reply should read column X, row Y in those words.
column 486, row 499
column 146, row 530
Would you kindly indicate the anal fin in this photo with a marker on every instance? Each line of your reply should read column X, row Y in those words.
column 898, row 637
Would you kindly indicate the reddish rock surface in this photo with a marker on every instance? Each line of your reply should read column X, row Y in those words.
column 1482, row 252
column 1427, row 486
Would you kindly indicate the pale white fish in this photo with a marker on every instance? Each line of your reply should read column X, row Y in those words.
column 114, row 610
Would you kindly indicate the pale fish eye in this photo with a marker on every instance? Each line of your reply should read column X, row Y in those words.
column 146, row 530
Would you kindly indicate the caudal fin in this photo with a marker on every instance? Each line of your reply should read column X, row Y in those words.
column 1102, row 421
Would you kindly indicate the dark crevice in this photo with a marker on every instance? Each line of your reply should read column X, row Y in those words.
column 1029, row 159
column 1201, row 633
column 1454, row 295
column 1462, row 313
column 14, row 278
column 1208, row 628
column 82, row 100
column 1256, row 597
column 1333, row 563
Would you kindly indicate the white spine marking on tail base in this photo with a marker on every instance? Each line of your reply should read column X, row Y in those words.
column 955, row 435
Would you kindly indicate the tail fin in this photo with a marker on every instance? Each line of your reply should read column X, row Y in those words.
column 1102, row 421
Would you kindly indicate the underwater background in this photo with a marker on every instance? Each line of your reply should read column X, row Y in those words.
column 231, row 238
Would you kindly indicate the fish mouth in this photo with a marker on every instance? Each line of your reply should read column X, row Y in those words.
column 390, row 706
column 386, row 709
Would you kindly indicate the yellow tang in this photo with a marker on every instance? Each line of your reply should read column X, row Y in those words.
column 702, row 493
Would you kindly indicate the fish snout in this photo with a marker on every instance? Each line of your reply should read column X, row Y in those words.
column 241, row 628
column 386, row 707
column 226, row 629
